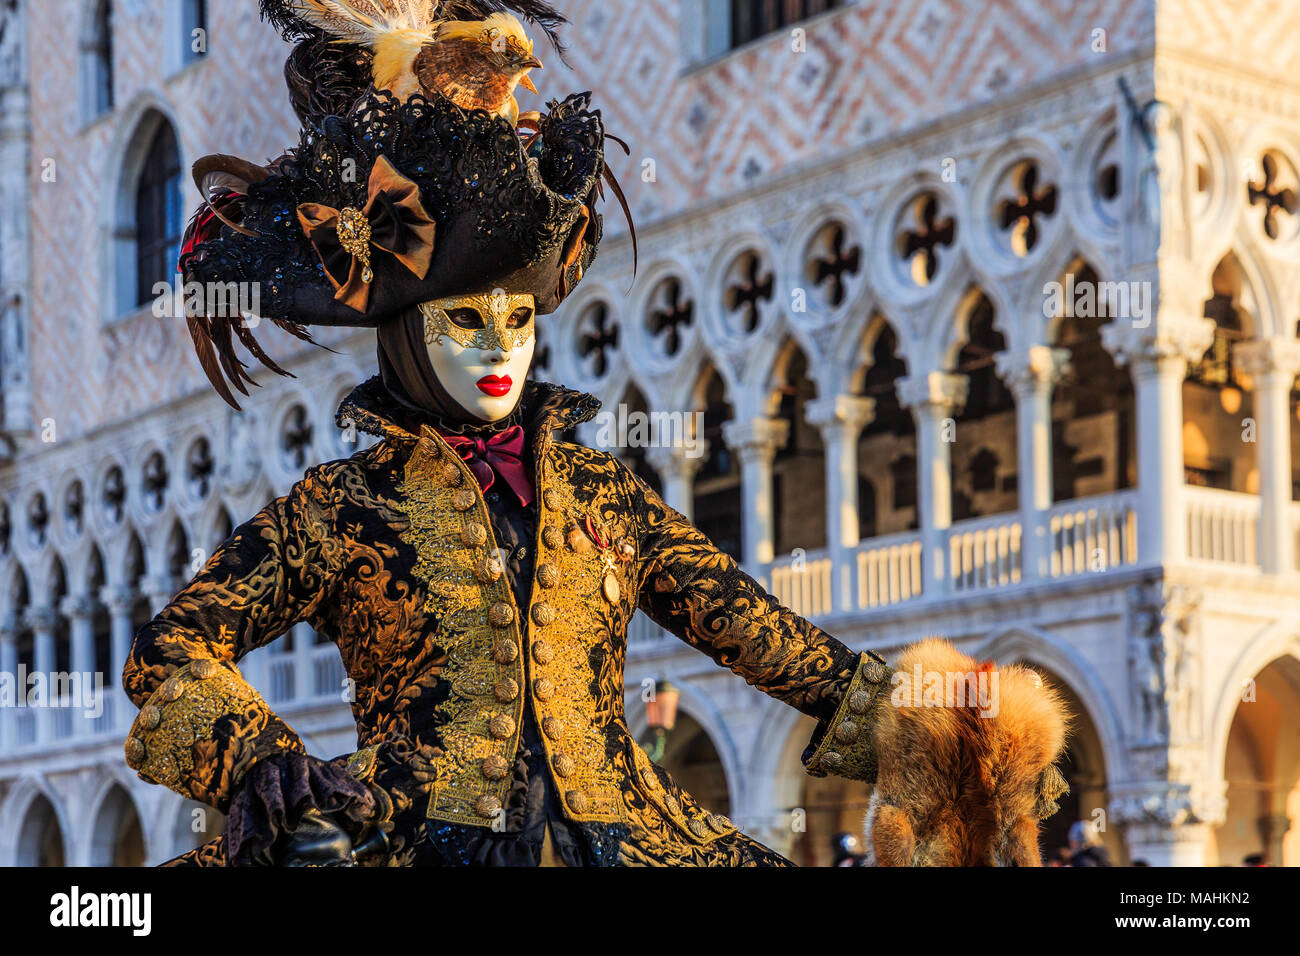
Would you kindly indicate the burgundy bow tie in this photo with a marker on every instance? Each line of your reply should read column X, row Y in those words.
column 502, row 454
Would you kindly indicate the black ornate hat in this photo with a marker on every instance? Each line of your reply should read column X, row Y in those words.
column 389, row 201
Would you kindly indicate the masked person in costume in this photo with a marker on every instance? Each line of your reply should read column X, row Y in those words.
column 477, row 572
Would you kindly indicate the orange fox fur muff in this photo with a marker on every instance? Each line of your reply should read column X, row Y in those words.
column 964, row 784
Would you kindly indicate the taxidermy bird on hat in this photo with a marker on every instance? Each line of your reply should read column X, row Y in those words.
column 420, row 46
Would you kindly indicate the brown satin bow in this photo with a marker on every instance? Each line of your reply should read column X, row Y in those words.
column 394, row 220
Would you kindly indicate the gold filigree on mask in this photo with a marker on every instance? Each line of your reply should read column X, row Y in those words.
column 496, row 321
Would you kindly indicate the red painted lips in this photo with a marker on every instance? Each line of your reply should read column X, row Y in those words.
column 498, row 386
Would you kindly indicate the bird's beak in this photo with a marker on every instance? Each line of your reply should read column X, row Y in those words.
column 526, row 82
column 532, row 63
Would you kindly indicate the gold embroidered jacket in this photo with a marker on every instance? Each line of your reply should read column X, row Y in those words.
column 390, row 554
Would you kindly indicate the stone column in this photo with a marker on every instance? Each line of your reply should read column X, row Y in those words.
column 1157, row 358
column 80, row 611
column 8, row 671
column 43, row 621
column 120, row 603
column 934, row 399
column 304, row 680
column 1167, row 824
column 1273, row 364
column 677, row 470
column 841, row 420
column 756, row 442
column 1031, row 376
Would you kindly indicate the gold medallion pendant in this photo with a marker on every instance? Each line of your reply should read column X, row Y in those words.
column 611, row 588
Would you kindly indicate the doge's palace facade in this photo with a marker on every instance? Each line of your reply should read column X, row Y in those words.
column 989, row 310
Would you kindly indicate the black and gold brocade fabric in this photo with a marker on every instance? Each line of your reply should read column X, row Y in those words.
column 486, row 643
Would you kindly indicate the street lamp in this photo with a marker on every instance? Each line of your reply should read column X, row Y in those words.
column 661, row 714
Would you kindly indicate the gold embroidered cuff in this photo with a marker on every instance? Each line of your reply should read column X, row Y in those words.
column 185, row 711
column 846, row 749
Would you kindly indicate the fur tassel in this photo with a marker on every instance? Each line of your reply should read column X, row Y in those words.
column 961, row 782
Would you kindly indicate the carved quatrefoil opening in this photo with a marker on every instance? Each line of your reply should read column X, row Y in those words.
column 113, row 495
column 925, row 232
column 296, row 437
column 831, row 263
column 74, row 509
column 1106, row 182
column 154, row 479
column 748, row 285
column 1024, row 206
column 598, row 337
column 199, row 468
column 670, row 316
column 38, row 520
column 1275, row 195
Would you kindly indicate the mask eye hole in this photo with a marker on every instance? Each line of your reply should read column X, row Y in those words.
column 466, row 319
column 519, row 318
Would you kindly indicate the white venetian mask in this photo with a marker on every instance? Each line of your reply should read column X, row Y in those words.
column 481, row 347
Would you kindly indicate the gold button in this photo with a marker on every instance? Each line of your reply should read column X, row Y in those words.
column 833, row 759
column 542, row 653
column 874, row 672
column 553, row 538
column 859, row 702
column 150, row 717
column 544, row 688
column 501, row 615
column 548, row 575
column 506, row 652
column 487, row 805
column 564, row 765
column 719, row 823
column 553, row 727
column 474, row 535
column 463, row 500
column 651, row 778
column 135, row 752
column 506, row 689
column 698, row 828
column 501, row 726
column 551, row 498
column 205, row 669
column 543, row 615
column 578, row 801
column 172, row 689
column 847, row 732
column 496, row 767
column 489, row 570
column 672, row 806
column 452, row 474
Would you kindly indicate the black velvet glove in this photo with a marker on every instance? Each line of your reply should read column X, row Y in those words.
column 276, row 799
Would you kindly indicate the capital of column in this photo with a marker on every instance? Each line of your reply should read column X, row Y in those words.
column 1036, row 368
column 939, row 391
column 1269, row 358
column 78, row 606
column 119, row 601
column 757, row 439
column 42, row 620
column 1170, row 343
column 677, row 461
column 836, row 413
